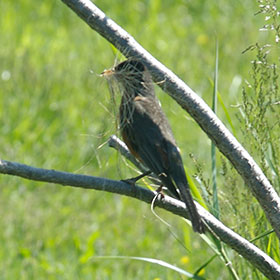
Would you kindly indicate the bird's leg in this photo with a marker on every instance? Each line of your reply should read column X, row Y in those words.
column 159, row 192
column 133, row 180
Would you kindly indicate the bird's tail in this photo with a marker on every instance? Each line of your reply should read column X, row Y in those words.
column 186, row 197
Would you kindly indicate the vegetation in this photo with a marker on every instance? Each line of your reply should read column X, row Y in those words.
column 56, row 113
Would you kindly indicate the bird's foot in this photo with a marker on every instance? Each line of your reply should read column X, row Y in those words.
column 159, row 192
column 132, row 181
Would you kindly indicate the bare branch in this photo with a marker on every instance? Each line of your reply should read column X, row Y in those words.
column 116, row 143
column 120, row 146
column 192, row 103
column 249, row 251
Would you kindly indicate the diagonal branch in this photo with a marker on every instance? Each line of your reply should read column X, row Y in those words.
column 192, row 103
column 116, row 143
column 249, row 251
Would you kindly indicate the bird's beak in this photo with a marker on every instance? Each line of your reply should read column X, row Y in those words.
column 107, row 73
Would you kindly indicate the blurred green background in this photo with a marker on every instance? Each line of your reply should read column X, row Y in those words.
column 56, row 113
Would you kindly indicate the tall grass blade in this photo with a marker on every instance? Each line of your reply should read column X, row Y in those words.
column 154, row 261
column 216, row 210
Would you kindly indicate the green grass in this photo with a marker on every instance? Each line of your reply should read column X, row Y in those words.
column 55, row 112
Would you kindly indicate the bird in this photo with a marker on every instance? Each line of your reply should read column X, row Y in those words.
column 147, row 133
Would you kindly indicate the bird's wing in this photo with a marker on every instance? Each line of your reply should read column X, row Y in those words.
column 151, row 139
column 146, row 136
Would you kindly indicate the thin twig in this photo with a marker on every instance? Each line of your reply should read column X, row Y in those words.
column 116, row 143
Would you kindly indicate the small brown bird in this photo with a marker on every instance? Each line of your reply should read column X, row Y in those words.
column 147, row 133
